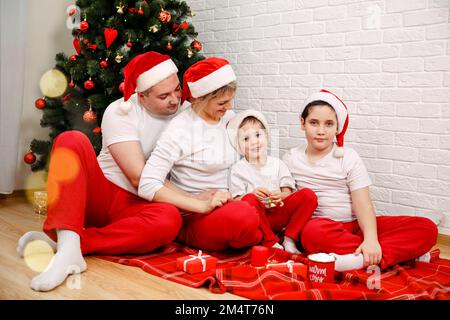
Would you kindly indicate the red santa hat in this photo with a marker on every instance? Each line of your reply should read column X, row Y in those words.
column 206, row 76
column 145, row 71
column 341, row 112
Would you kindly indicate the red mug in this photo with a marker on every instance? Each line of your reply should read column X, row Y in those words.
column 321, row 268
column 259, row 256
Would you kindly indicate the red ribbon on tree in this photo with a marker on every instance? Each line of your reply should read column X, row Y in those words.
column 177, row 27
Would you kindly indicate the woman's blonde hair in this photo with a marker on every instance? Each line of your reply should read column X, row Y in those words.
column 203, row 100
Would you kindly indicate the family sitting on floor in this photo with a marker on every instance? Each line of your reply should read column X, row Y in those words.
column 201, row 175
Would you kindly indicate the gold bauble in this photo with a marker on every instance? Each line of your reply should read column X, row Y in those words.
column 53, row 83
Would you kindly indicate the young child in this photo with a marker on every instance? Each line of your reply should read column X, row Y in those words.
column 266, row 183
column 344, row 223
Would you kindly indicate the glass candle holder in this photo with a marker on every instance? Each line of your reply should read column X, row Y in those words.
column 40, row 202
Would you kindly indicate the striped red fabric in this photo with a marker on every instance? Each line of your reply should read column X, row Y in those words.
column 409, row 281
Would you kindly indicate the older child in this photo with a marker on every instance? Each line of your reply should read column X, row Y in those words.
column 266, row 183
column 345, row 223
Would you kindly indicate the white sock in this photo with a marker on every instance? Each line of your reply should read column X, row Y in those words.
column 31, row 236
column 67, row 260
column 426, row 257
column 347, row 262
column 278, row 246
column 289, row 245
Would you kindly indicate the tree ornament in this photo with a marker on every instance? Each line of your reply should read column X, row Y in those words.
column 53, row 83
column 89, row 84
column 177, row 27
column 121, row 87
column 89, row 116
column 118, row 58
column 132, row 10
column 154, row 28
column 120, row 8
column 40, row 103
column 97, row 130
column 76, row 45
column 110, row 35
column 196, row 45
column 169, row 46
column 29, row 158
column 104, row 64
column 85, row 42
column 84, row 26
column 72, row 12
column 73, row 57
column 164, row 16
column 72, row 84
column 189, row 53
column 129, row 44
column 140, row 11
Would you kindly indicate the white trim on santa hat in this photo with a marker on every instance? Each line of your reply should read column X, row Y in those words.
column 212, row 81
column 156, row 74
column 337, row 105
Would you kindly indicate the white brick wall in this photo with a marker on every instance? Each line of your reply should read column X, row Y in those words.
column 388, row 59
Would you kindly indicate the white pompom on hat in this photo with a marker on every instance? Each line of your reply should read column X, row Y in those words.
column 206, row 76
column 145, row 71
column 235, row 122
column 341, row 112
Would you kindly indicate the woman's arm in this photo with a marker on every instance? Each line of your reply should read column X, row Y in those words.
column 363, row 208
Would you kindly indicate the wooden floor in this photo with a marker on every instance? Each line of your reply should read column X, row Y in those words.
column 103, row 280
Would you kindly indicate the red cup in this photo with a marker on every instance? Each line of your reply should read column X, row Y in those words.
column 259, row 256
column 321, row 268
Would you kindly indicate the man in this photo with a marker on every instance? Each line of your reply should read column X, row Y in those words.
column 93, row 206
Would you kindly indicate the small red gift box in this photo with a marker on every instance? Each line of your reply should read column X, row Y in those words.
column 289, row 266
column 196, row 263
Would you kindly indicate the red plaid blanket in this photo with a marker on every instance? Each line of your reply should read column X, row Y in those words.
column 234, row 274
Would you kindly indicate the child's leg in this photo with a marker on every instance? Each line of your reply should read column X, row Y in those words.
column 294, row 214
column 404, row 238
column 269, row 238
column 234, row 225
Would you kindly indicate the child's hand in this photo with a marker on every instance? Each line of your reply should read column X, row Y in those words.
column 371, row 250
column 261, row 193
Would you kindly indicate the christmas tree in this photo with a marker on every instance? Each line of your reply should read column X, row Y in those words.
column 107, row 35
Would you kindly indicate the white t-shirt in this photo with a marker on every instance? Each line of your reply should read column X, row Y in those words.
column 138, row 125
column 197, row 155
column 245, row 178
column 331, row 178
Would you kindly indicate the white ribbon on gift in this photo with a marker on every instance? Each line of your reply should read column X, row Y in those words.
column 200, row 257
column 289, row 264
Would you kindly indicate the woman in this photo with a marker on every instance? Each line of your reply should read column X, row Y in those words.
column 196, row 152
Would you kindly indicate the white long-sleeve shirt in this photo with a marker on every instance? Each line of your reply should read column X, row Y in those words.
column 197, row 155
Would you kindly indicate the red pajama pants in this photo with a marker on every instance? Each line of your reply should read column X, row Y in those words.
column 235, row 225
column 401, row 237
column 294, row 214
column 109, row 219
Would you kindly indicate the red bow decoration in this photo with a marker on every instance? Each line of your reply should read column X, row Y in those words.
column 92, row 47
column 110, row 35
column 177, row 27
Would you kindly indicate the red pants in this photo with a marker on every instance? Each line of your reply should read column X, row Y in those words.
column 294, row 214
column 401, row 238
column 235, row 225
column 109, row 219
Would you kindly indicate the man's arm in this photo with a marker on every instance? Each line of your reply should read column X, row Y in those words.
column 130, row 159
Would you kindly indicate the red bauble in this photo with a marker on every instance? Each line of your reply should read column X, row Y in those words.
column 89, row 116
column 169, row 46
column 140, row 11
column 89, row 84
column 73, row 57
column 97, row 130
column 103, row 64
column 121, row 86
column 84, row 26
column 132, row 10
column 129, row 44
column 40, row 103
column 196, row 45
column 29, row 158
column 164, row 16
column 72, row 84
